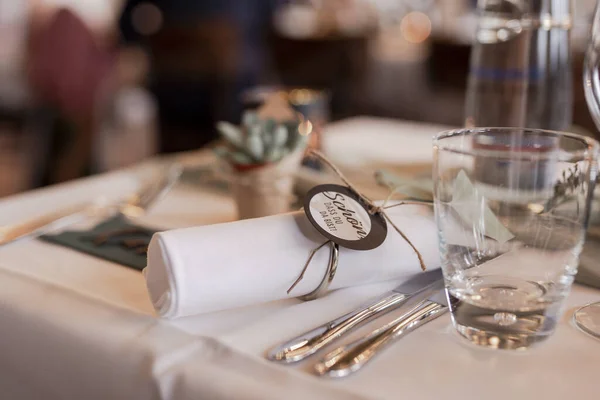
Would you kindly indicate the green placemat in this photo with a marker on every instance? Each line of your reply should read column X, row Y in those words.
column 589, row 263
column 117, row 240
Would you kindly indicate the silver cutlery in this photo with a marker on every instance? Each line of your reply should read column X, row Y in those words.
column 131, row 207
column 310, row 342
column 139, row 204
column 40, row 225
column 350, row 358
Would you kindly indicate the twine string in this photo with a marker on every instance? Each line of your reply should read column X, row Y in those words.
column 340, row 175
column 310, row 257
column 372, row 208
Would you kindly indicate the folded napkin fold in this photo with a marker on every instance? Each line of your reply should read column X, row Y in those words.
column 216, row 267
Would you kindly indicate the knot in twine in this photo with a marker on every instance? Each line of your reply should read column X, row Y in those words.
column 372, row 209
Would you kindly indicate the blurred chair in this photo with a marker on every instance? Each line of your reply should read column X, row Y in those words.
column 66, row 71
column 102, row 118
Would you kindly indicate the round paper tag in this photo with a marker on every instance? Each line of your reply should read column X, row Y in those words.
column 340, row 215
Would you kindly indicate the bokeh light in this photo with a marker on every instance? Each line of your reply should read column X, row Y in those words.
column 415, row 27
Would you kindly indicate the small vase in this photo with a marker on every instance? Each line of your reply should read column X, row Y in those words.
column 263, row 190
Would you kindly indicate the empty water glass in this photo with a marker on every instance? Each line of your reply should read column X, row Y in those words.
column 512, row 206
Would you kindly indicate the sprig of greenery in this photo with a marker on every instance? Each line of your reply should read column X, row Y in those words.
column 421, row 189
column 565, row 189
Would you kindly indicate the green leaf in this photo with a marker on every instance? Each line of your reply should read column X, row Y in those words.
column 255, row 147
column 280, row 136
column 267, row 138
column 231, row 134
column 272, row 143
column 269, row 125
column 250, row 118
column 293, row 135
column 420, row 189
column 472, row 208
column 254, row 130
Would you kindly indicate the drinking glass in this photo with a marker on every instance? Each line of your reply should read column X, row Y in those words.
column 587, row 318
column 512, row 206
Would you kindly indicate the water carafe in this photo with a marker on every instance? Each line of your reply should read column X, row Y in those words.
column 520, row 70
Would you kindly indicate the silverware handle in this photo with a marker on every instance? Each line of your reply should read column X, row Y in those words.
column 160, row 190
column 350, row 358
column 312, row 341
column 40, row 225
column 141, row 202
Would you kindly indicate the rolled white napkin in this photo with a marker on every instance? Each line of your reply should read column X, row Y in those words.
column 197, row 270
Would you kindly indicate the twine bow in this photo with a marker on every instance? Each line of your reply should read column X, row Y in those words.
column 372, row 209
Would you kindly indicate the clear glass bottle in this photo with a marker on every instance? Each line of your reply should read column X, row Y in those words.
column 520, row 73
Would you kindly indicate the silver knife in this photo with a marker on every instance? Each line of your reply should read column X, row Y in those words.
column 350, row 358
column 310, row 342
column 39, row 226
column 134, row 206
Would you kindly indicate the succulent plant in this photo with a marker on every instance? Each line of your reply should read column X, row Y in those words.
column 259, row 141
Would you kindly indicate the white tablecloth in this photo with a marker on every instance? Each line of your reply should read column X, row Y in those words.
column 76, row 327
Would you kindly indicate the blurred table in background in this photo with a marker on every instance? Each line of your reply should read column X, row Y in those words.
column 396, row 59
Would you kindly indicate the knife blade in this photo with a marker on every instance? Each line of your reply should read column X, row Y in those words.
column 310, row 342
column 347, row 359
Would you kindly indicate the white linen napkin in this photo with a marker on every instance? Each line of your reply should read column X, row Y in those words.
column 202, row 269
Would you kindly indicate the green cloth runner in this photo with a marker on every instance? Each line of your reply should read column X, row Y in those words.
column 116, row 240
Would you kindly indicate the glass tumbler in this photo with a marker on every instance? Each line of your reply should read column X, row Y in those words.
column 512, row 206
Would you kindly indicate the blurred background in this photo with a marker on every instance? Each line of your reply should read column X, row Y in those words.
column 95, row 85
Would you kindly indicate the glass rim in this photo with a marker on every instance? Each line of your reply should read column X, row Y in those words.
column 589, row 152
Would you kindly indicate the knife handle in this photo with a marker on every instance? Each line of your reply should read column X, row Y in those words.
column 310, row 342
column 42, row 224
column 350, row 358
